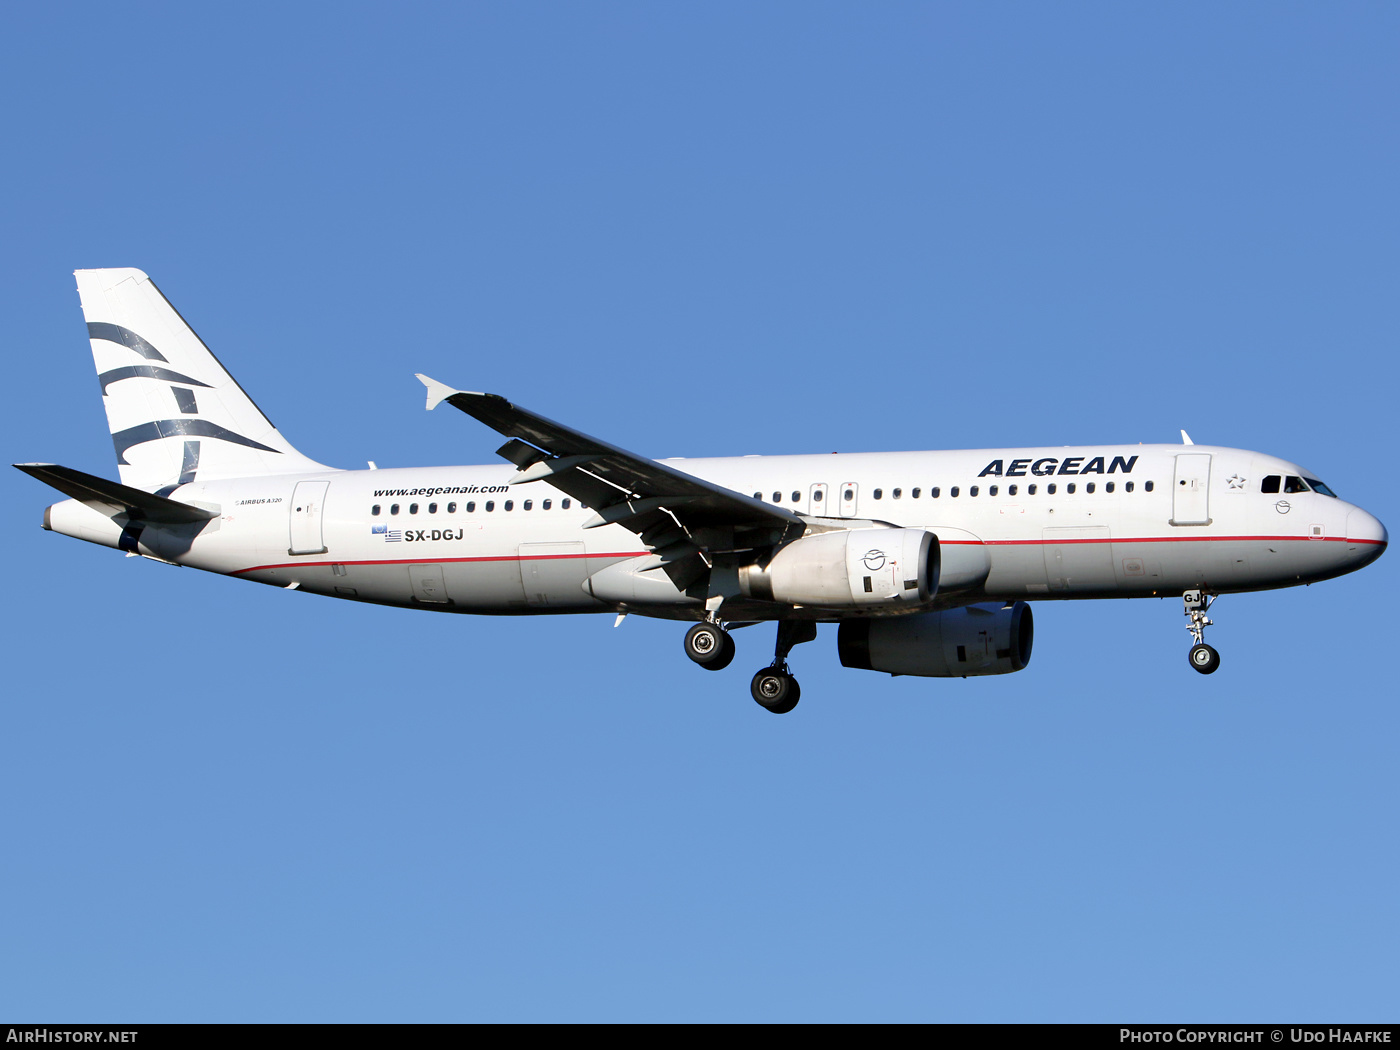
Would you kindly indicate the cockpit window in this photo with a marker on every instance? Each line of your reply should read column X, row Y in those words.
column 1293, row 483
column 1270, row 484
column 1318, row 486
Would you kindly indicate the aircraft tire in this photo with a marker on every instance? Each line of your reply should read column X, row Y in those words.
column 1203, row 658
column 774, row 690
column 709, row 646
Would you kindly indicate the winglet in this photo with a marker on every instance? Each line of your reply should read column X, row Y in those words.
column 437, row 392
column 1185, row 437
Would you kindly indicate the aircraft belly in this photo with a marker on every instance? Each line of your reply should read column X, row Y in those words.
column 1017, row 569
column 1137, row 567
column 481, row 586
column 1078, row 559
column 552, row 574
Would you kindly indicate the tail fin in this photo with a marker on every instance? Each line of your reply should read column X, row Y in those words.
column 174, row 412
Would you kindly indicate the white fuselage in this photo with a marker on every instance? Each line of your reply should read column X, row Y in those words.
column 1072, row 522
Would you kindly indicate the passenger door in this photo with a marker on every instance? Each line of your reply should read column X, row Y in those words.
column 1191, row 489
column 308, row 504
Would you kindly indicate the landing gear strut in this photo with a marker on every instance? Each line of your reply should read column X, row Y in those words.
column 710, row 646
column 774, row 688
column 1202, row 657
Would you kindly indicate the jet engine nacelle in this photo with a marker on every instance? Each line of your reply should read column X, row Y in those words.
column 955, row 643
column 852, row 569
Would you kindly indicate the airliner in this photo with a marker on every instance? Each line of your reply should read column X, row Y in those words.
column 927, row 561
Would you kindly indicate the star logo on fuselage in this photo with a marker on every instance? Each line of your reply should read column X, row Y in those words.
column 1235, row 481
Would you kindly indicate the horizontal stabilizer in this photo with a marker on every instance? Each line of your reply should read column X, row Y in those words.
column 111, row 497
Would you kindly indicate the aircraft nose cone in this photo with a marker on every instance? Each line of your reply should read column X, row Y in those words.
column 1366, row 536
column 1365, row 527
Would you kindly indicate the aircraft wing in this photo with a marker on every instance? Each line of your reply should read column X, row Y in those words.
column 685, row 520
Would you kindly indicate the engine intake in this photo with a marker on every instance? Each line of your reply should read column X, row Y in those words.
column 956, row 643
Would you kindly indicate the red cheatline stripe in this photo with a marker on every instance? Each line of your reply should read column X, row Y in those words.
column 442, row 561
column 1175, row 539
column 949, row 543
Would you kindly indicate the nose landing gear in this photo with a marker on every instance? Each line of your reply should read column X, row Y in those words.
column 1202, row 657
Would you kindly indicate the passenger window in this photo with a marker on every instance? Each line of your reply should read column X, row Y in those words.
column 1294, row 484
column 879, row 493
column 375, row 510
column 490, row 505
column 1089, row 487
column 545, row 504
column 1147, row 486
column 394, row 508
column 509, row 504
column 777, row 497
column 1011, row 490
column 817, row 496
column 934, row 492
column 1128, row 486
column 1070, row 488
column 992, row 491
column 953, row 492
column 471, row 507
column 432, row 508
column 914, row 494
column 1108, row 486
column 972, row 491
column 452, row 508
column 413, row 508
column 1050, row 489
column 563, row 504
column 796, row 495
column 897, row 493
column 848, row 495
column 758, row 495
column 527, row 505
column 1030, row 490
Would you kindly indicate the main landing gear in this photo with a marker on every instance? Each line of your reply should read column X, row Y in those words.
column 773, row 688
column 1201, row 657
column 710, row 646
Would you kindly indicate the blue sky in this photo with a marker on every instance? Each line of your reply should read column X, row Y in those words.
column 703, row 231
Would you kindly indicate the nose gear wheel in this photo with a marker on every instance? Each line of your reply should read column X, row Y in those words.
column 1204, row 658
